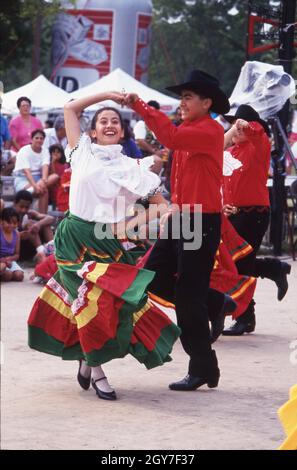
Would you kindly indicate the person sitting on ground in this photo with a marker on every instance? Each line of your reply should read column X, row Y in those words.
column 45, row 269
column 57, row 167
column 22, row 126
column 7, row 160
column 10, row 246
column 48, row 124
column 32, row 170
column 146, row 139
column 130, row 148
column 33, row 226
column 2, row 205
column 62, row 197
column 56, row 134
column 5, row 136
column 148, row 142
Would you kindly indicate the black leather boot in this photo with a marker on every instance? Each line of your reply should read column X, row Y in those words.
column 192, row 382
column 281, row 280
column 217, row 324
column 246, row 323
column 276, row 270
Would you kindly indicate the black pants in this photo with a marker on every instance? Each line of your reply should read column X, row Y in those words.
column 252, row 226
column 183, row 276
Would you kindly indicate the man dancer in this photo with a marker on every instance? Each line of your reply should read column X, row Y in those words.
column 246, row 203
column 196, row 178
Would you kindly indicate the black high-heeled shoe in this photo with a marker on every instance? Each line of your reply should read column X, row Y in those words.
column 100, row 393
column 84, row 382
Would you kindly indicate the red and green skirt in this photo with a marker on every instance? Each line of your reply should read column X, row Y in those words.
column 96, row 306
column 225, row 277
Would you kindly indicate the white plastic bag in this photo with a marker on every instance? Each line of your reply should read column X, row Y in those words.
column 265, row 87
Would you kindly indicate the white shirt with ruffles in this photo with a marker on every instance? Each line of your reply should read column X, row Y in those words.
column 105, row 182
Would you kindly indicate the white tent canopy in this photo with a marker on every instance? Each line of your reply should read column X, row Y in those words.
column 44, row 96
column 118, row 80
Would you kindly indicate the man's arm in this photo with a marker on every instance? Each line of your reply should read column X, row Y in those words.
column 184, row 137
column 43, row 219
column 228, row 136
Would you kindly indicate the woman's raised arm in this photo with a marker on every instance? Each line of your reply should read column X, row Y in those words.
column 73, row 109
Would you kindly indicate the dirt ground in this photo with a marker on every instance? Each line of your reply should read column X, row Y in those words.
column 43, row 407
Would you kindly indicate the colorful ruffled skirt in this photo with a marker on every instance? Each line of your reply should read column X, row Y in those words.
column 224, row 276
column 96, row 306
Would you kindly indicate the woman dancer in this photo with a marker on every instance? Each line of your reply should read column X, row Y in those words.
column 95, row 308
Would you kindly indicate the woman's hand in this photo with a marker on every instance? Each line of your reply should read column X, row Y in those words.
column 163, row 220
column 117, row 97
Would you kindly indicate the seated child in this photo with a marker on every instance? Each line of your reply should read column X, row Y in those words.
column 57, row 166
column 10, row 246
column 34, row 227
column 45, row 269
column 62, row 197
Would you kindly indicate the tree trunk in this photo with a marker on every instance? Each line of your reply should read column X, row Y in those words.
column 37, row 27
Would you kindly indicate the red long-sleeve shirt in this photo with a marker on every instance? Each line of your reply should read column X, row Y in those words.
column 247, row 186
column 197, row 167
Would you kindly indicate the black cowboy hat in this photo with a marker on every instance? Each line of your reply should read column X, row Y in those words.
column 249, row 114
column 202, row 83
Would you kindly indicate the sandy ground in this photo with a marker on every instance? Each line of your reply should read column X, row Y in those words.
column 43, row 407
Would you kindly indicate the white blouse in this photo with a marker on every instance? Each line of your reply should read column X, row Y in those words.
column 105, row 182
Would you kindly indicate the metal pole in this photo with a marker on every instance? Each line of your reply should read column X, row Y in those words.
column 286, row 143
column 279, row 169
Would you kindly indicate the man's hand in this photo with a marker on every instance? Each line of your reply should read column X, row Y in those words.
column 130, row 98
column 241, row 125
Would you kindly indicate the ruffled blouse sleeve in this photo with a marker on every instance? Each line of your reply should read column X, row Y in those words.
column 80, row 151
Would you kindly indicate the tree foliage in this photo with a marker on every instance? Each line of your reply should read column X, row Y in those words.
column 207, row 34
column 18, row 19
